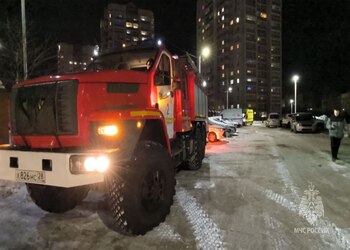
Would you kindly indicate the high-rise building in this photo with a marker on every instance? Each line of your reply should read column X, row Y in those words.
column 125, row 25
column 244, row 37
column 74, row 58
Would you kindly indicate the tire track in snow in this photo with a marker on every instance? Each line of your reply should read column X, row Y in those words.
column 206, row 232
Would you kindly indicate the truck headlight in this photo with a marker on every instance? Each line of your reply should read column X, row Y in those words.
column 87, row 164
column 110, row 130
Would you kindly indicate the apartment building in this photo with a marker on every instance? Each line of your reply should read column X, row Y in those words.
column 125, row 25
column 244, row 37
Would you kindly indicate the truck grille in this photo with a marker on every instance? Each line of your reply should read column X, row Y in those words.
column 45, row 109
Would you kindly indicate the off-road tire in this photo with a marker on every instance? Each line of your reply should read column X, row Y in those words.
column 56, row 199
column 195, row 159
column 141, row 193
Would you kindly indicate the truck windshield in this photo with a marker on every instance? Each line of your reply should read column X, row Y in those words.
column 123, row 60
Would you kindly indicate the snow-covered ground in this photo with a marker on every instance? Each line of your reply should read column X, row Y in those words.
column 256, row 190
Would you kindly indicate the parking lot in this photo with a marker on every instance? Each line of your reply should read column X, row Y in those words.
column 249, row 194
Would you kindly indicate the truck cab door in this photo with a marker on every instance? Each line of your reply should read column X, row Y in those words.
column 162, row 81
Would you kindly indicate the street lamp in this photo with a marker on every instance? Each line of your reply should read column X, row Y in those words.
column 295, row 79
column 204, row 53
column 291, row 105
column 228, row 90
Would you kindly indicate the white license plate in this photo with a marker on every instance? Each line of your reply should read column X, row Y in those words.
column 37, row 177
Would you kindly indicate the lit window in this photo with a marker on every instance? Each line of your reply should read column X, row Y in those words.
column 223, row 9
column 223, row 66
column 223, row 51
column 143, row 38
column 237, row 46
column 123, row 45
column 263, row 15
column 135, row 25
column 258, row 39
column 231, row 82
column 202, row 30
column 128, row 31
column 110, row 23
column 231, row 48
column 223, row 18
column 84, row 63
column 223, row 26
column 70, row 62
column 128, row 25
column 237, row 80
column 110, row 15
column 223, row 83
column 231, row 73
column 199, row 20
column 135, row 39
column 223, row 42
column 75, row 63
column 144, row 33
column 237, row 20
column 249, row 80
column 223, row 75
column 218, row 13
column 271, row 90
column 231, row 22
column 237, row 71
column 249, row 71
column 249, row 88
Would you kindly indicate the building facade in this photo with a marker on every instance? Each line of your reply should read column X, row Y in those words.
column 74, row 58
column 244, row 37
column 125, row 25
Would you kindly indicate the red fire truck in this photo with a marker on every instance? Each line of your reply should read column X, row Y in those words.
column 119, row 125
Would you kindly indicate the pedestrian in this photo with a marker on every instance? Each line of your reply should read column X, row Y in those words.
column 336, row 125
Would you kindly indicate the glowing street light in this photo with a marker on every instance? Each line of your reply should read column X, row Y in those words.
column 204, row 84
column 291, row 105
column 295, row 80
column 204, row 53
column 227, row 91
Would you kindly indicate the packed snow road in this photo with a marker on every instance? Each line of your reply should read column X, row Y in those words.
column 263, row 189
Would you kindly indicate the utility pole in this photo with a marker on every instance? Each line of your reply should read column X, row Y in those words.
column 24, row 40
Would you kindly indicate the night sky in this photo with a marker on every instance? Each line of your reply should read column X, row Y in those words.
column 315, row 34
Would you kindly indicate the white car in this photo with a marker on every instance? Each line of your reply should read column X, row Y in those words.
column 216, row 120
column 286, row 120
column 273, row 120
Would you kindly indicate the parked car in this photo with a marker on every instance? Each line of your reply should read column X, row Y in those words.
column 215, row 133
column 273, row 120
column 233, row 115
column 218, row 121
column 302, row 122
column 286, row 120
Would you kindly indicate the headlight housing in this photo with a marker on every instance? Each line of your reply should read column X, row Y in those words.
column 83, row 164
column 108, row 130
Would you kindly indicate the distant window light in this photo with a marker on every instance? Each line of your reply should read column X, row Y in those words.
column 249, row 80
column 223, row 26
column 237, row 71
column 75, row 63
column 237, row 80
column 218, row 13
column 223, row 42
column 143, row 38
column 231, row 81
column 223, row 83
column 237, row 19
column 70, row 62
column 110, row 23
column 128, row 31
column 91, row 58
column 84, row 63
column 123, row 45
column 203, row 30
column 263, row 15
column 110, row 15
column 223, row 75
column 237, row 46
column 135, row 39
column 135, row 19
column 231, row 73
column 249, row 88
column 223, row 18
column 199, row 20
column 144, row 33
column 128, row 25
column 135, row 25
column 271, row 90
column 249, row 71
column 258, row 39
column 223, row 51
column 231, row 47
column 223, row 9
column 223, row 66
column 231, row 22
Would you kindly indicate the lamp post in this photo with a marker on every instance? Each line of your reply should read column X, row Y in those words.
column 291, row 105
column 204, row 53
column 295, row 79
column 227, row 91
column 24, row 39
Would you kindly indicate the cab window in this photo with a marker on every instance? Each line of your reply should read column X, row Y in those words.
column 162, row 76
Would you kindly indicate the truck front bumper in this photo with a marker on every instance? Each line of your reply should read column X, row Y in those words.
column 47, row 168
